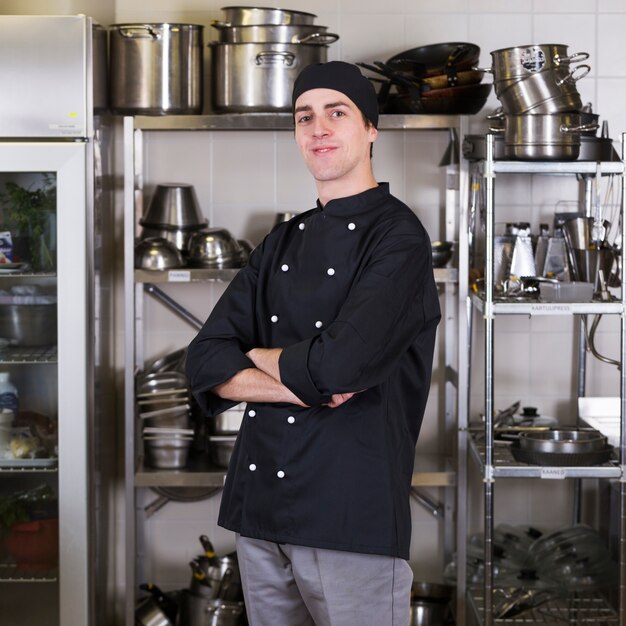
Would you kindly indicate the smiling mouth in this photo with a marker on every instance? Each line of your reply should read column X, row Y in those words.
column 323, row 150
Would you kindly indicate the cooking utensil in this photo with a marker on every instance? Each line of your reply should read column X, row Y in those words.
column 149, row 613
column 221, row 449
column 466, row 100
column 228, row 422
column 156, row 69
column 214, row 247
column 254, row 16
column 174, row 205
column 167, row 452
column 441, row 252
column 157, row 254
column 198, row 611
column 430, row 603
column 259, row 77
column 437, row 59
column 274, row 33
column 167, row 605
column 29, row 321
column 564, row 440
column 520, row 61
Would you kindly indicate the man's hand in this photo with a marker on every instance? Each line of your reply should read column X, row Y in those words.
column 337, row 399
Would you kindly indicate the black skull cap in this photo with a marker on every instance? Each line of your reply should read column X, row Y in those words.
column 343, row 77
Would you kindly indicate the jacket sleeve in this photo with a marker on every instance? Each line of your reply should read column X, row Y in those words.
column 389, row 303
column 218, row 351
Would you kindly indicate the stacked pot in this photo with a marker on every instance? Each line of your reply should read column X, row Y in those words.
column 541, row 106
column 258, row 55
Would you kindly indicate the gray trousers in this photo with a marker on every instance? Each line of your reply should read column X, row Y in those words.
column 287, row 585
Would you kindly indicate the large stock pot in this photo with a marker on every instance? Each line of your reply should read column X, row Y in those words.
column 258, row 77
column 156, row 69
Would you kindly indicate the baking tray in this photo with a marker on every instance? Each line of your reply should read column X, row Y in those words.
column 591, row 148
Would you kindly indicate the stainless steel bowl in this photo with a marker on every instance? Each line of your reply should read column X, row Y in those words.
column 156, row 253
column 442, row 252
column 214, row 248
column 174, row 205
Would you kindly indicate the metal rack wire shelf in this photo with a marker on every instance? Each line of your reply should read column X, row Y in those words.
column 580, row 609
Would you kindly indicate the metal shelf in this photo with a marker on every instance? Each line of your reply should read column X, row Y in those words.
column 29, row 354
column 505, row 465
column 9, row 573
column 196, row 275
column 280, row 121
column 430, row 471
column 552, row 167
column 591, row 609
column 535, row 307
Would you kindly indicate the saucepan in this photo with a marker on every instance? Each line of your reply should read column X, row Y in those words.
column 430, row 603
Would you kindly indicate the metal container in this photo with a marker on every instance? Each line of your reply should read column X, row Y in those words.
column 29, row 324
column 149, row 613
column 249, row 16
column 157, row 253
column 274, row 33
column 156, row 69
column 194, row 610
column 552, row 91
column 174, row 205
column 228, row 422
column 520, row 61
column 221, row 449
column 255, row 77
column 214, row 248
column 167, row 451
column 552, row 137
column 563, row 441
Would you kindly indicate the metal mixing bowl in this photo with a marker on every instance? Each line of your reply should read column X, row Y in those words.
column 174, row 205
column 156, row 253
column 214, row 248
column 442, row 252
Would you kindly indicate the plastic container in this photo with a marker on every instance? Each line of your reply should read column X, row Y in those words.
column 8, row 393
column 566, row 292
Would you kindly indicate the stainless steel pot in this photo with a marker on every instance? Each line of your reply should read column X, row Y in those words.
column 29, row 324
column 520, row 61
column 194, row 610
column 156, row 69
column 552, row 91
column 245, row 16
column 563, row 441
column 254, row 77
column 275, row 33
column 552, row 137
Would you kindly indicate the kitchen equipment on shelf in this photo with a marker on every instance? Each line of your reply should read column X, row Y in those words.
column 254, row 16
column 174, row 205
column 430, row 603
column 215, row 248
column 254, row 64
column 157, row 253
column 562, row 447
column 161, row 606
column 274, row 33
column 156, row 68
column 168, row 450
column 221, row 449
column 29, row 320
column 259, row 77
column 441, row 252
column 149, row 613
column 196, row 610
column 228, row 422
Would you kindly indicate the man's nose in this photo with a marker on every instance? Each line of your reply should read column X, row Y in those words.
column 320, row 127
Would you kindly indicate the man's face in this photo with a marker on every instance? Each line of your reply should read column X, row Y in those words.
column 332, row 136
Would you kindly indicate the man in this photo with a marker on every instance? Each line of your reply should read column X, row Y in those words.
column 328, row 335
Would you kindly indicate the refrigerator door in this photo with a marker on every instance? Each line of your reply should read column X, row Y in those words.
column 45, row 332
column 45, row 68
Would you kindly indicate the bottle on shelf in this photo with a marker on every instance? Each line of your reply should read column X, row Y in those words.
column 8, row 393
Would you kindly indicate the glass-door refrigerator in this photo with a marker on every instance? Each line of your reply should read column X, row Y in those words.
column 56, row 381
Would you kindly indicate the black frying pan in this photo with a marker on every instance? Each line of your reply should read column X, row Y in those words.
column 440, row 58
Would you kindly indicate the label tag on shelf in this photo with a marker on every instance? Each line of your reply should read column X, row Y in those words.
column 554, row 473
column 551, row 309
column 179, row 276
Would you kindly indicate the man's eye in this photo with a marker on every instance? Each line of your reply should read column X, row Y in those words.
column 338, row 113
column 304, row 118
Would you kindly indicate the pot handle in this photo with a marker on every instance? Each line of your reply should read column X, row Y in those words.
column 318, row 39
column 220, row 25
column 573, row 76
column 275, row 58
column 139, row 30
column 577, row 57
column 487, row 70
column 579, row 129
column 495, row 129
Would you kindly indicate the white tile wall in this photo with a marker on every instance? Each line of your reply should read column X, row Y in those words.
column 242, row 179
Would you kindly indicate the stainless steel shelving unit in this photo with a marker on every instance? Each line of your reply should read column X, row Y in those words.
column 430, row 470
column 497, row 462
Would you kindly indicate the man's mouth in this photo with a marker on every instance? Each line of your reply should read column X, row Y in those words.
column 323, row 149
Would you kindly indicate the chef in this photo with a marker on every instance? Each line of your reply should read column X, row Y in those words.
column 328, row 336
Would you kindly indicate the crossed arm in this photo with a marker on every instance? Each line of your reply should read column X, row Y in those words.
column 262, row 383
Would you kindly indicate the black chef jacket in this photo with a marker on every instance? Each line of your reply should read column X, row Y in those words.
column 347, row 290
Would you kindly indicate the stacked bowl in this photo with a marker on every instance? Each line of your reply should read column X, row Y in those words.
column 173, row 214
column 259, row 53
column 541, row 106
column 165, row 414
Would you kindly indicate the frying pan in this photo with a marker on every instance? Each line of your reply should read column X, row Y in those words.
column 441, row 58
